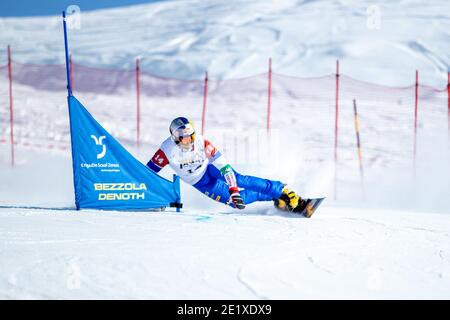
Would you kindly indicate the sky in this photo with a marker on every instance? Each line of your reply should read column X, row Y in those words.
column 21, row 8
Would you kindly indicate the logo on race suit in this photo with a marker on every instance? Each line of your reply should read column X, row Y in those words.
column 99, row 142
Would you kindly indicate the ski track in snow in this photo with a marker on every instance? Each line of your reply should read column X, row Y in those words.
column 339, row 253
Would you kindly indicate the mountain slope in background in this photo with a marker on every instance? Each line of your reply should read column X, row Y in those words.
column 382, row 43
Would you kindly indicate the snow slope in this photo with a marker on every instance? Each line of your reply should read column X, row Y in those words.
column 392, row 244
column 341, row 253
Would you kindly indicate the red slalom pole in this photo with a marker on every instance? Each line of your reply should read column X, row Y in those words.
column 11, row 109
column 205, row 94
column 448, row 94
column 269, row 94
column 138, row 104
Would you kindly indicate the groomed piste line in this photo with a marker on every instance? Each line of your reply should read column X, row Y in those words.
column 39, row 208
column 70, row 209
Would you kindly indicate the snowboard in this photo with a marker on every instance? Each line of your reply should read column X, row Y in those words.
column 311, row 206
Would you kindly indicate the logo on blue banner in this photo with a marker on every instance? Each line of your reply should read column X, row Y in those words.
column 99, row 142
column 106, row 175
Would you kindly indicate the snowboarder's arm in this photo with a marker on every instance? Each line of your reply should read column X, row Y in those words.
column 233, row 188
column 212, row 153
column 217, row 159
column 220, row 162
column 158, row 161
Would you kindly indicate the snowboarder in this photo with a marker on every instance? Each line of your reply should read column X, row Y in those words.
column 201, row 165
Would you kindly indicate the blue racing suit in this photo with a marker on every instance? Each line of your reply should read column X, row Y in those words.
column 206, row 169
column 214, row 186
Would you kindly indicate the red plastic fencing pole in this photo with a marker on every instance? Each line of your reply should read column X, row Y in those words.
column 336, row 127
column 205, row 94
column 448, row 94
column 11, row 109
column 415, row 114
column 138, row 104
column 269, row 94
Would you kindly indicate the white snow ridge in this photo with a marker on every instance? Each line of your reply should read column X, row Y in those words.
column 386, row 239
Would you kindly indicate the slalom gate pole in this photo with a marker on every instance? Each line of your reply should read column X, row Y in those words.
column 336, row 127
column 69, row 95
column 269, row 94
column 176, row 183
column 416, row 106
column 71, row 69
column 69, row 84
column 205, row 94
column 11, row 108
column 138, row 104
column 358, row 142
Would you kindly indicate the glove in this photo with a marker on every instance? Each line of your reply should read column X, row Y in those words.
column 236, row 198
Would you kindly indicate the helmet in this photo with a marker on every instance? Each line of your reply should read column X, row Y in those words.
column 181, row 127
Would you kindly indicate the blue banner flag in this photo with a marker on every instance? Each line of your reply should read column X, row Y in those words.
column 107, row 176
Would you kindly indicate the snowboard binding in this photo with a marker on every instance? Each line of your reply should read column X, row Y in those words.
column 290, row 201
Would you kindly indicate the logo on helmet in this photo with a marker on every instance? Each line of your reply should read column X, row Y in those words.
column 180, row 128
